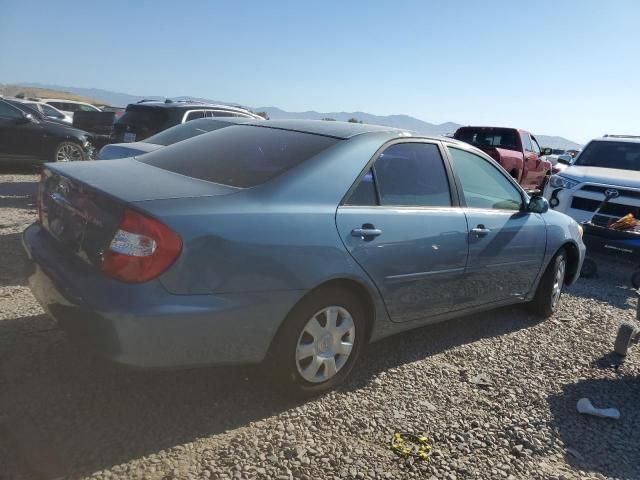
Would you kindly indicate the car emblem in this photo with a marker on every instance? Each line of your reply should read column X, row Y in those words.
column 611, row 193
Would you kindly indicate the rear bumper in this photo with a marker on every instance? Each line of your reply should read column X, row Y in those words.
column 143, row 325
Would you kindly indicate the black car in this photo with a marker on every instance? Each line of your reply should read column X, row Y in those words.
column 168, row 137
column 27, row 137
column 148, row 117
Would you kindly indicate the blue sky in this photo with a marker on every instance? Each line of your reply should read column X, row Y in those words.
column 568, row 68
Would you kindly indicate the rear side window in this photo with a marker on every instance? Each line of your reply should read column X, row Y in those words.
column 194, row 115
column 405, row 174
column 239, row 156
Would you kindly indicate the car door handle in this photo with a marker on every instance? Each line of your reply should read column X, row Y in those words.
column 480, row 231
column 365, row 232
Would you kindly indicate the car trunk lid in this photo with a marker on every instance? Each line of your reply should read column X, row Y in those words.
column 81, row 204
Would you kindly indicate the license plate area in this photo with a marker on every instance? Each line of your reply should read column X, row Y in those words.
column 129, row 137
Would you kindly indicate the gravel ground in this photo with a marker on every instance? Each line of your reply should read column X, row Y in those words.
column 66, row 414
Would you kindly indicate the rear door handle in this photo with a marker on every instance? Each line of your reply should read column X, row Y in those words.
column 365, row 232
column 480, row 231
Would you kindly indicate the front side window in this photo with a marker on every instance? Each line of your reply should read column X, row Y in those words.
column 8, row 112
column 483, row 185
column 405, row 174
column 526, row 142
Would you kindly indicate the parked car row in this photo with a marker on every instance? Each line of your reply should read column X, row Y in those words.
column 28, row 136
column 292, row 243
column 34, row 132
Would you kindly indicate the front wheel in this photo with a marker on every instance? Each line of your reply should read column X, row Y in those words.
column 69, row 152
column 547, row 297
column 319, row 343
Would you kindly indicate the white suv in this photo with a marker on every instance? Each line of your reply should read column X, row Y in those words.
column 606, row 167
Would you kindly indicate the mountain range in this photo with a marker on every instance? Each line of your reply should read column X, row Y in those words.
column 399, row 121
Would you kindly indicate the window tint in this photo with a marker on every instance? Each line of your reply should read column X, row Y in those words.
column 484, row 186
column 239, row 156
column 488, row 137
column 412, row 174
column 611, row 154
column 194, row 115
column 526, row 142
column 186, row 130
column 365, row 192
column 8, row 112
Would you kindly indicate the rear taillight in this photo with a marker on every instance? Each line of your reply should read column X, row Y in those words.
column 142, row 248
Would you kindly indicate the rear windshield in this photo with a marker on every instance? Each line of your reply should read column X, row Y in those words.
column 239, row 156
column 620, row 155
column 144, row 117
column 489, row 137
column 186, row 130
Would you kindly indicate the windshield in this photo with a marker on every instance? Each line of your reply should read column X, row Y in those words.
column 489, row 137
column 187, row 130
column 619, row 155
column 239, row 156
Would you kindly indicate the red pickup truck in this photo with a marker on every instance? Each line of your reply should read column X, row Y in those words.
column 516, row 150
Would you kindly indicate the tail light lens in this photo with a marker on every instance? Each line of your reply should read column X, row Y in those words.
column 142, row 248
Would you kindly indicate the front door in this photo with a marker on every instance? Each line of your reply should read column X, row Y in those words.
column 402, row 225
column 506, row 243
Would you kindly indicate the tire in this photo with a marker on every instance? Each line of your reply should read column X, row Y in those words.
column 69, row 152
column 545, row 180
column 589, row 269
column 547, row 297
column 635, row 279
column 626, row 334
column 286, row 364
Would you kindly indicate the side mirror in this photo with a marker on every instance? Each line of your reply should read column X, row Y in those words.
column 538, row 204
column 546, row 151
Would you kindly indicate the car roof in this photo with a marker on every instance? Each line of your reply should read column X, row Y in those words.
column 342, row 130
column 346, row 130
column 186, row 105
column 619, row 138
column 45, row 100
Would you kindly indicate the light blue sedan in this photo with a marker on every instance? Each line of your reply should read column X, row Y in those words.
column 293, row 243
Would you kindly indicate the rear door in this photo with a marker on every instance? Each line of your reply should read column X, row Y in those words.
column 506, row 243
column 402, row 224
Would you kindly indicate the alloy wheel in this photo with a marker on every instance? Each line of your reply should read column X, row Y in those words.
column 325, row 344
column 558, row 281
column 69, row 152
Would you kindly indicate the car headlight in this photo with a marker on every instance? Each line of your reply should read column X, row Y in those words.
column 559, row 181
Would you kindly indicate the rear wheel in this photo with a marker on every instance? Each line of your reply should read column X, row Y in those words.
column 547, row 297
column 68, row 152
column 319, row 343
